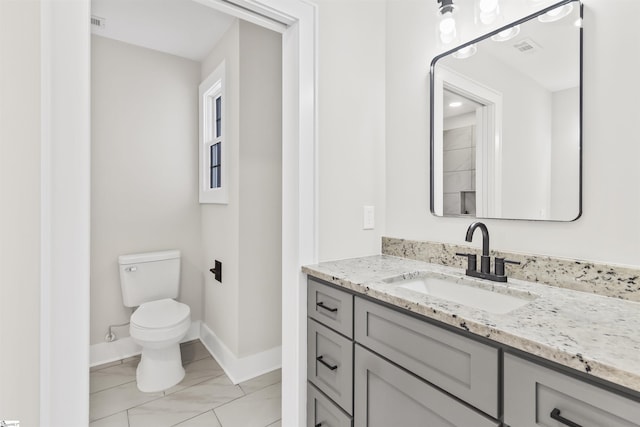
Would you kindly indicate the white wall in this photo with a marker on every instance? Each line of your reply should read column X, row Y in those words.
column 244, row 311
column 566, row 145
column 144, row 171
column 20, row 211
column 608, row 230
column 351, row 126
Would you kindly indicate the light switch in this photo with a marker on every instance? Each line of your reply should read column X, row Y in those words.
column 368, row 218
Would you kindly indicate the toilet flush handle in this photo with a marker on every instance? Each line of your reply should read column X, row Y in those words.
column 131, row 269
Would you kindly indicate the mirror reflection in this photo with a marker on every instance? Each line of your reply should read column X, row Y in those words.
column 505, row 117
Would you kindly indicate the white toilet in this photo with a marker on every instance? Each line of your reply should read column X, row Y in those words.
column 150, row 281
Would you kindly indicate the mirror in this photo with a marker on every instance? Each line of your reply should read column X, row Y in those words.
column 506, row 121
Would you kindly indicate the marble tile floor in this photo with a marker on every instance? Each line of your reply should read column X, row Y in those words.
column 205, row 397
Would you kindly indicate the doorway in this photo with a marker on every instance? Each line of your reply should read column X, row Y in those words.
column 65, row 163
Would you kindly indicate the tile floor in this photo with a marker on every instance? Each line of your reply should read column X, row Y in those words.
column 205, row 397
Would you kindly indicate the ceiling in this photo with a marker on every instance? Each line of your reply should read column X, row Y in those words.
column 179, row 27
column 465, row 106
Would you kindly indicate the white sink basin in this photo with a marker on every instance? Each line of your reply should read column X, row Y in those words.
column 494, row 300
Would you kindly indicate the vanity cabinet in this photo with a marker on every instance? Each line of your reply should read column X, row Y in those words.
column 460, row 366
column 330, row 363
column 322, row 412
column 371, row 365
column 538, row 396
column 375, row 366
column 386, row 395
column 331, row 307
column 329, row 356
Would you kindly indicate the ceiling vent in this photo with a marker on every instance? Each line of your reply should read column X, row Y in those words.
column 527, row 46
column 97, row 22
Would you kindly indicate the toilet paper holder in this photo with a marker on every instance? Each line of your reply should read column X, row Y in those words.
column 217, row 271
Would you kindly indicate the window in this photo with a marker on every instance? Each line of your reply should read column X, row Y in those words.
column 213, row 149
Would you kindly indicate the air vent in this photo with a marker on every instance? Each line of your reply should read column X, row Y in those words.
column 527, row 46
column 97, row 22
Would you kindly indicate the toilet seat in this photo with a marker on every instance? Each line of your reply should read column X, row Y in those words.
column 160, row 314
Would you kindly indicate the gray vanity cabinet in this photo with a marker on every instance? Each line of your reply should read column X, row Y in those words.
column 330, row 363
column 329, row 356
column 374, row 366
column 532, row 393
column 386, row 395
column 465, row 368
column 322, row 412
column 331, row 307
column 394, row 373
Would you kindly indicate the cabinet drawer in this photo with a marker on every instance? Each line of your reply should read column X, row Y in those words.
column 323, row 412
column 463, row 367
column 532, row 392
column 331, row 307
column 330, row 364
column 385, row 395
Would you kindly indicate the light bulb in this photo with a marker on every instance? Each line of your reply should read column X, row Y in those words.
column 465, row 52
column 507, row 34
column 556, row 14
column 488, row 6
column 447, row 27
column 488, row 11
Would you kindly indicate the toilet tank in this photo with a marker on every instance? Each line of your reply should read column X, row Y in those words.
column 149, row 276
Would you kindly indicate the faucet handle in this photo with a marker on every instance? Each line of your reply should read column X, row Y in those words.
column 500, row 262
column 471, row 261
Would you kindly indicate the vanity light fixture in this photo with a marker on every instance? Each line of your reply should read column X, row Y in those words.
column 447, row 22
column 507, row 34
column 455, row 104
column 488, row 11
column 465, row 52
column 556, row 14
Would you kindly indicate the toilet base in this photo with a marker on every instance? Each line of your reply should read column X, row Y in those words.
column 159, row 369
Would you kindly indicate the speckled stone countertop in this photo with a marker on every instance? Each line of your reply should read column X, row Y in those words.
column 592, row 333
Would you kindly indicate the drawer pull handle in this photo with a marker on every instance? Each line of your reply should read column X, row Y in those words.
column 555, row 414
column 321, row 305
column 321, row 360
column 319, row 425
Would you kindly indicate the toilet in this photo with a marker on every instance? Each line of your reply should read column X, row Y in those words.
column 151, row 281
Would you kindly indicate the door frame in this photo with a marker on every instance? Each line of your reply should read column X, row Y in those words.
column 66, row 198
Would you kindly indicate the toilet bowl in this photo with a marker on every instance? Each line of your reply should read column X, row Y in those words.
column 150, row 281
column 158, row 327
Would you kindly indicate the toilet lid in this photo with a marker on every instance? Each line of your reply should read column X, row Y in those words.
column 163, row 313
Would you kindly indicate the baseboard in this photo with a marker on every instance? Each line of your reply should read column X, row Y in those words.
column 122, row 348
column 240, row 369
column 237, row 369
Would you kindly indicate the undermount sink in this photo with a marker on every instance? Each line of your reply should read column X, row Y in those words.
column 493, row 298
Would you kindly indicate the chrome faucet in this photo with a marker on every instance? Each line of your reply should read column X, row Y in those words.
column 485, row 258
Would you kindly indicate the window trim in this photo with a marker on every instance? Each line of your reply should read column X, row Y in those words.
column 212, row 88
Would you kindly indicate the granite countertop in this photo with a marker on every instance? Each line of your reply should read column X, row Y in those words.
column 594, row 334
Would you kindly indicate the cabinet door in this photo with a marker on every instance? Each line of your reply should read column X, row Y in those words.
column 532, row 393
column 461, row 366
column 330, row 306
column 322, row 412
column 330, row 364
column 386, row 396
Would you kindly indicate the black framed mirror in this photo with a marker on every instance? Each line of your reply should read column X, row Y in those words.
column 506, row 121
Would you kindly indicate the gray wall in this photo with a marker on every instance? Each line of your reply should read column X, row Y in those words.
column 245, row 234
column 144, row 167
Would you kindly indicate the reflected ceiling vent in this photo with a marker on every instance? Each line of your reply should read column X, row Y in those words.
column 98, row 23
column 527, row 46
